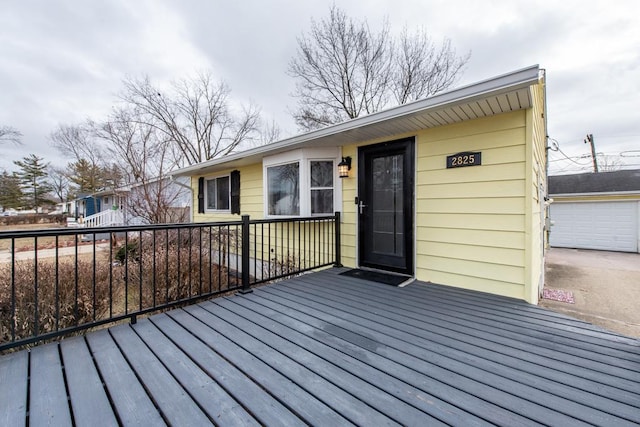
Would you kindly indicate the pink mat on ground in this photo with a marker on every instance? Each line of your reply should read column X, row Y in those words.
column 558, row 295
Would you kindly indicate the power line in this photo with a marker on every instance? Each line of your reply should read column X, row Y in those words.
column 558, row 149
column 589, row 140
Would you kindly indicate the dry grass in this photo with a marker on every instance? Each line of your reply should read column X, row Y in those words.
column 28, row 243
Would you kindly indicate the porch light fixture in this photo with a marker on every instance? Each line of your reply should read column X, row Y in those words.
column 344, row 167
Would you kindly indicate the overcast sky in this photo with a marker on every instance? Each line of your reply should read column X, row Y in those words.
column 63, row 61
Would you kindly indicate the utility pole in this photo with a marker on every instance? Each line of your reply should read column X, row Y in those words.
column 593, row 151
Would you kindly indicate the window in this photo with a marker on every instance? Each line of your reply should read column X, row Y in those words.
column 321, row 187
column 217, row 194
column 302, row 182
column 283, row 184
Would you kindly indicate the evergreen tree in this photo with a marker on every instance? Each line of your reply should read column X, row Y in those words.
column 10, row 191
column 86, row 177
column 33, row 180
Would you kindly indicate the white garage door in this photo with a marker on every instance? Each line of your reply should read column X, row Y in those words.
column 608, row 226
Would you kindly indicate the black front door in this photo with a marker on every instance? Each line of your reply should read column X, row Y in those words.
column 385, row 206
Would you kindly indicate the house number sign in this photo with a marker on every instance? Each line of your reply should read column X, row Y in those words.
column 464, row 159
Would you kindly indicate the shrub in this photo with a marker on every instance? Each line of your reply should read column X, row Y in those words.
column 129, row 250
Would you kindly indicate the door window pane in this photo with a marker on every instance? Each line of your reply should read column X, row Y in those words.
column 283, row 186
column 387, row 212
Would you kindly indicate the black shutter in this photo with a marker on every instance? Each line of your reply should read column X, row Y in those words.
column 201, row 195
column 235, row 192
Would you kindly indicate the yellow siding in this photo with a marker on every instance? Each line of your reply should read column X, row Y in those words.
column 470, row 221
column 349, row 217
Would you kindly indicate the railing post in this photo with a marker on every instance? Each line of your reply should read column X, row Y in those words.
column 246, row 287
column 338, row 262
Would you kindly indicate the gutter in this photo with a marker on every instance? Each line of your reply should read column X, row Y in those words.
column 603, row 193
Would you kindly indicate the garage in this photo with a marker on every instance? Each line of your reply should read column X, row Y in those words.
column 608, row 226
column 598, row 211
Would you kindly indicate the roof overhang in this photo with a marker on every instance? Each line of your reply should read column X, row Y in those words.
column 505, row 93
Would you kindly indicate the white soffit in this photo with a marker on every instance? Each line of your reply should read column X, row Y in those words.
column 502, row 94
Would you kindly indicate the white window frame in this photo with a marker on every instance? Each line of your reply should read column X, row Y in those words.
column 206, row 194
column 304, row 157
column 332, row 188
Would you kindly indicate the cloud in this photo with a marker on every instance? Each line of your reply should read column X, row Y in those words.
column 64, row 61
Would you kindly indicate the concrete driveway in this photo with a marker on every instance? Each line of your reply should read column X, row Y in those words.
column 605, row 286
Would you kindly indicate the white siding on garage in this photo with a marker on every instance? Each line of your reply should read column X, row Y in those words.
column 608, row 226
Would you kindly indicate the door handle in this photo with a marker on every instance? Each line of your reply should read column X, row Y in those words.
column 361, row 206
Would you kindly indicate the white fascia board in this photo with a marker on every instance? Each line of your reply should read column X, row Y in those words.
column 491, row 87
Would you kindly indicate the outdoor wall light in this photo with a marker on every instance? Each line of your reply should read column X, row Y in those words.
column 344, row 167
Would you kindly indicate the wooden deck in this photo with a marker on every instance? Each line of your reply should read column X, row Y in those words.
column 324, row 349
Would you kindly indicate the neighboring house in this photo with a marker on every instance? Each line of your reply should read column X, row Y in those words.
column 86, row 205
column 67, row 208
column 596, row 211
column 133, row 204
column 448, row 189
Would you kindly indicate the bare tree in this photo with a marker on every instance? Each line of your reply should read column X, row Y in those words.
column 142, row 153
column 422, row 69
column 195, row 116
column 79, row 143
column 609, row 163
column 344, row 70
column 87, row 168
column 157, row 201
column 133, row 144
column 60, row 184
column 9, row 134
column 269, row 132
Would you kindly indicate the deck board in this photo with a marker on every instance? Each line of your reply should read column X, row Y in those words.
column 472, row 326
column 355, row 358
column 264, row 407
column 219, row 406
column 335, row 373
column 346, row 404
column 131, row 402
column 498, row 390
column 432, row 326
column 324, row 349
column 48, row 403
column 406, row 370
column 14, row 369
column 547, row 393
column 177, row 406
column 86, row 393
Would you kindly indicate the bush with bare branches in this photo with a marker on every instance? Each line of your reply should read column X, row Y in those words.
column 156, row 269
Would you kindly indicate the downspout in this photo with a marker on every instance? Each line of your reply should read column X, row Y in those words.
column 547, row 222
column 190, row 188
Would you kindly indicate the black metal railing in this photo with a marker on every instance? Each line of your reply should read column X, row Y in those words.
column 59, row 281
